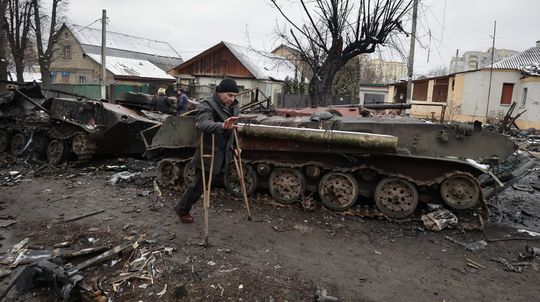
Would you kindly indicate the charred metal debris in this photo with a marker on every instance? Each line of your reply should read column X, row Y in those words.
column 63, row 268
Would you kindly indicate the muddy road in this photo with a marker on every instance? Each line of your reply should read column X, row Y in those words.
column 284, row 254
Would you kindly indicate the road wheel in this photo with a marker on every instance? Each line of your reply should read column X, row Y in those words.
column 18, row 141
column 167, row 172
column 461, row 191
column 396, row 197
column 287, row 185
column 57, row 151
column 338, row 191
column 232, row 182
column 83, row 147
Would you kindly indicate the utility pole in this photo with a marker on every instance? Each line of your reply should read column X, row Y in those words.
column 491, row 67
column 411, row 52
column 103, row 56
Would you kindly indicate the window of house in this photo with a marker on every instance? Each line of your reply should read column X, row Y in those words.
column 65, row 76
column 506, row 96
column 82, row 80
column 53, row 77
column 67, row 52
column 524, row 97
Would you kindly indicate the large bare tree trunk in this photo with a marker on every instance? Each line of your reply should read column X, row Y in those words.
column 45, row 54
column 17, row 23
column 3, row 47
column 320, row 87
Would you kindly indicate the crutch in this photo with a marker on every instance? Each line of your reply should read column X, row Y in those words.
column 240, row 171
column 207, row 186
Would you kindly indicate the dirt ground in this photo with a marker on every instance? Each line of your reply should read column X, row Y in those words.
column 283, row 254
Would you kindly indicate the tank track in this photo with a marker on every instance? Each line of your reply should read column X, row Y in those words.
column 396, row 195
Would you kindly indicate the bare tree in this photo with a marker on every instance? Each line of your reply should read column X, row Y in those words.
column 17, row 24
column 339, row 30
column 3, row 44
column 45, row 52
column 438, row 71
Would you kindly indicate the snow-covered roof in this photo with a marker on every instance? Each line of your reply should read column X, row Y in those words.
column 28, row 76
column 92, row 36
column 263, row 65
column 164, row 63
column 132, row 67
column 528, row 57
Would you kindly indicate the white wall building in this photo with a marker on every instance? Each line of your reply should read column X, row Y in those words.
column 473, row 60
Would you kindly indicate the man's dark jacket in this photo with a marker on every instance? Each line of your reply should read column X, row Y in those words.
column 211, row 114
column 162, row 103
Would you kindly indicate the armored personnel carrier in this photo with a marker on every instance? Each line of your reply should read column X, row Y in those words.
column 400, row 161
column 88, row 127
column 55, row 128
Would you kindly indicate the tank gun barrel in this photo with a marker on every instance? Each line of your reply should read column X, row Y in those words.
column 354, row 139
column 399, row 106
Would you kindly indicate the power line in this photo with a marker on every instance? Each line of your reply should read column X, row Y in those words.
column 88, row 26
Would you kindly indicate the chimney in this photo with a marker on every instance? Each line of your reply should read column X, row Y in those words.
column 537, row 43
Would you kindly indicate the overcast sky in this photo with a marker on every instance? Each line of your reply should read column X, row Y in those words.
column 192, row 26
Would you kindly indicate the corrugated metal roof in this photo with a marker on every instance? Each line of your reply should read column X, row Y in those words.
column 132, row 67
column 92, row 36
column 263, row 65
column 529, row 57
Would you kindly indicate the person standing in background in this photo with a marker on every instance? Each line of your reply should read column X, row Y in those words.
column 161, row 101
column 181, row 102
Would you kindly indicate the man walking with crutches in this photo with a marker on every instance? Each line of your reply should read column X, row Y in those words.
column 216, row 120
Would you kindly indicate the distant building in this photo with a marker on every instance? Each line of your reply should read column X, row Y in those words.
column 388, row 71
column 373, row 94
column 473, row 60
column 132, row 63
column 250, row 68
column 296, row 59
column 469, row 95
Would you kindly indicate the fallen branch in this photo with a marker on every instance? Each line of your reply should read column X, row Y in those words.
column 84, row 215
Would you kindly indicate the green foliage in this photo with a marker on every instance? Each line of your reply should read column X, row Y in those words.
column 294, row 86
column 287, row 86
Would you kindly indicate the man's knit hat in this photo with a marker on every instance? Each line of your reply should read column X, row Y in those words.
column 227, row 85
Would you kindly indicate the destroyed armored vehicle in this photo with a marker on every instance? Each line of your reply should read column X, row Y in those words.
column 56, row 128
column 88, row 127
column 22, row 120
column 396, row 162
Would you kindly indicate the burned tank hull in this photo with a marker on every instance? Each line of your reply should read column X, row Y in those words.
column 89, row 127
column 293, row 164
column 416, row 137
column 60, row 128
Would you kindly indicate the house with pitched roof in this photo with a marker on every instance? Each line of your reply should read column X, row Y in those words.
column 250, row 68
column 483, row 94
column 132, row 63
column 296, row 59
